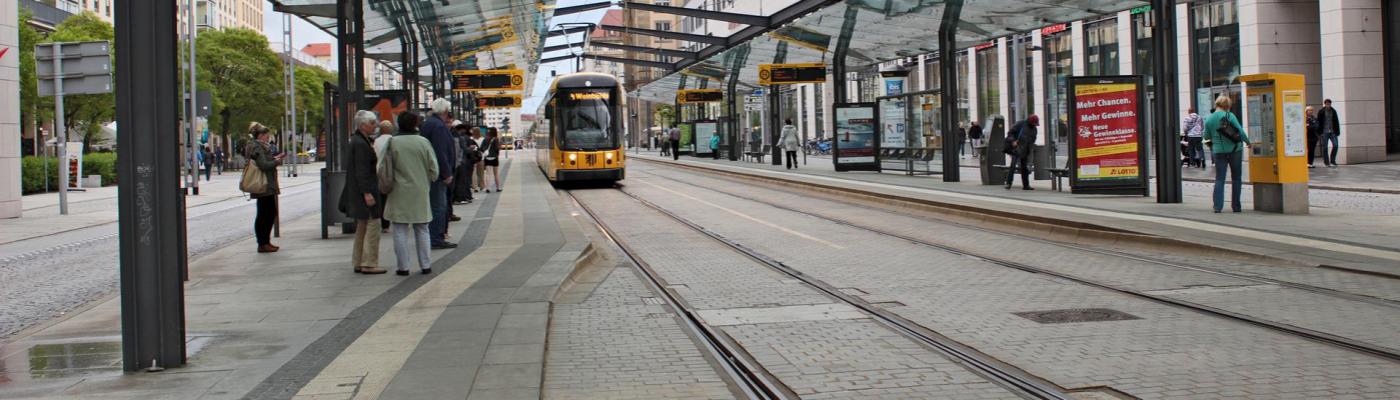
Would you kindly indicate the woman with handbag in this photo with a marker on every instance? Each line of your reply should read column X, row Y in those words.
column 260, row 182
column 408, row 168
column 1228, row 141
column 492, row 159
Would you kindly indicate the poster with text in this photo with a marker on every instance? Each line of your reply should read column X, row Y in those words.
column 892, row 121
column 703, row 132
column 1294, row 120
column 1107, row 123
column 855, row 133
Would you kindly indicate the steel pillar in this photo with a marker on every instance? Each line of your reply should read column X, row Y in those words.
column 775, row 118
column 1164, row 121
column 151, row 209
column 948, row 81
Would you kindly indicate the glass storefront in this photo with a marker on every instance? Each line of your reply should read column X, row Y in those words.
column 1215, row 53
column 1059, row 66
column 1143, row 65
column 1020, row 84
column 1101, row 47
column 988, row 83
column 1391, row 9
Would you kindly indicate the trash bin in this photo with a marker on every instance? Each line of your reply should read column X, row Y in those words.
column 1043, row 157
column 332, row 183
column 991, row 161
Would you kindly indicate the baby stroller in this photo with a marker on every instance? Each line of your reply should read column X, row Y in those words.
column 1185, row 152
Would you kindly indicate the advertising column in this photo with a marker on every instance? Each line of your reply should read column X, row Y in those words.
column 1107, row 147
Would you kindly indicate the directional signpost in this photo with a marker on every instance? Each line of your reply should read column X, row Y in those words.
column 71, row 68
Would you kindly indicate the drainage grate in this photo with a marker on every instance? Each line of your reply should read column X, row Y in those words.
column 1076, row 315
column 652, row 301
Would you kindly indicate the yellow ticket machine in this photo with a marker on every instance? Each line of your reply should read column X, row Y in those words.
column 1278, row 133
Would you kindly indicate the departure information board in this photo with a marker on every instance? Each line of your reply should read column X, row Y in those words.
column 498, row 101
column 687, row 96
column 782, row 74
column 496, row 79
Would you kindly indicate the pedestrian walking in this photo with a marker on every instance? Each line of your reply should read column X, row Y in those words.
column 206, row 158
column 1331, row 130
column 435, row 130
column 714, row 146
column 961, row 138
column 260, row 152
column 665, row 147
column 220, row 158
column 414, row 166
column 462, row 182
column 491, row 158
column 361, row 199
column 974, row 132
column 1228, row 140
column 675, row 143
column 1020, row 140
column 1192, row 127
column 1314, row 133
column 790, row 142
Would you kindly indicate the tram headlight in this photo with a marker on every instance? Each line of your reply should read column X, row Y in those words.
column 573, row 157
column 610, row 156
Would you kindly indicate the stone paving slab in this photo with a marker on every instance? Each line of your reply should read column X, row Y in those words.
column 1167, row 352
column 1331, row 237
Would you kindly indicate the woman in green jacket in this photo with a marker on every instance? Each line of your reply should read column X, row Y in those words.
column 1229, row 154
column 407, row 206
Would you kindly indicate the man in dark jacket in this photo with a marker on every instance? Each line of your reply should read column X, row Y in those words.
column 462, row 183
column 435, row 130
column 361, row 199
column 1331, row 127
column 1021, row 139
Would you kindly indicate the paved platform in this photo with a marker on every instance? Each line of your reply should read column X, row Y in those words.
column 1359, row 237
column 299, row 324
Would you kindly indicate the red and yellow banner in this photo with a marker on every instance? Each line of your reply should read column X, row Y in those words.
column 1106, row 131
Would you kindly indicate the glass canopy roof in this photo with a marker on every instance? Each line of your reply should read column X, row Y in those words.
column 882, row 30
column 452, row 34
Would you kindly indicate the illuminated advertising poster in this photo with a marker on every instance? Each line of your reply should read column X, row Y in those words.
column 687, row 133
column 1107, row 148
column 854, row 141
column 892, row 121
column 704, row 130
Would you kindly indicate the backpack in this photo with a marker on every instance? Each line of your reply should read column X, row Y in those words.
column 385, row 169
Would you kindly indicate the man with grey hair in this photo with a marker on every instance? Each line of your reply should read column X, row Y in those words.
column 361, row 199
column 435, row 130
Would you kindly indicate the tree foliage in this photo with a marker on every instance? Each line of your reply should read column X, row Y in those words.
column 310, row 89
column 83, row 114
column 243, row 76
column 32, row 108
column 665, row 115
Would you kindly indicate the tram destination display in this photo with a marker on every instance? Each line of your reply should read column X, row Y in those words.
column 783, row 74
column 1108, row 151
column 854, row 145
column 498, row 101
column 495, row 79
column 688, row 96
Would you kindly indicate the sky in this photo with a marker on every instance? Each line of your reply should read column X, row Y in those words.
column 304, row 32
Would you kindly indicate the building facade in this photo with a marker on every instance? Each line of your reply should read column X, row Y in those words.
column 642, row 115
column 1348, row 51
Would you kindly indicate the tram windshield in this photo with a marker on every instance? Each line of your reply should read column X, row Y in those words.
column 586, row 121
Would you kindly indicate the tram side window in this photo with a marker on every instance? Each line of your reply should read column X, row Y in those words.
column 586, row 119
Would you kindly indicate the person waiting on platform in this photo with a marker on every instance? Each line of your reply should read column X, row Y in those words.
column 1228, row 140
column 714, row 146
column 262, row 156
column 415, row 167
column 791, row 143
column 1020, row 139
column 361, row 199
column 974, row 132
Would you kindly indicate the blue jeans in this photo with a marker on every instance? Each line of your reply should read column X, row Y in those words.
column 410, row 240
column 1232, row 162
column 1330, row 158
column 437, row 197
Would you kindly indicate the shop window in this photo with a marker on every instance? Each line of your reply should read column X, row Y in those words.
column 1059, row 66
column 988, row 82
column 1101, row 47
column 1215, row 53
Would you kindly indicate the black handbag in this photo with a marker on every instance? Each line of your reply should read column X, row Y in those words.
column 1228, row 131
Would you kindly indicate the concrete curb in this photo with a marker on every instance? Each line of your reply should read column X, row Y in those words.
column 1076, row 232
column 1318, row 187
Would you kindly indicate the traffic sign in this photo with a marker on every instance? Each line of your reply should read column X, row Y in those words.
column 783, row 74
column 93, row 84
column 491, row 79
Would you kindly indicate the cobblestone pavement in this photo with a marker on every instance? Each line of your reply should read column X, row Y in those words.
column 49, row 276
column 1168, row 353
column 615, row 345
column 815, row 354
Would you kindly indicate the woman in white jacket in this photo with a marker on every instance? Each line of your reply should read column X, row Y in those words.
column 791, row 143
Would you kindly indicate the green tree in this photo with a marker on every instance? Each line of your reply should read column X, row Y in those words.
column 32, row 108
column 84, row 114
column 310, row 89
column 665, row 115
column 243, row 76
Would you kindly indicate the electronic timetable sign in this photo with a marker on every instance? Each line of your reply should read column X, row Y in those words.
column 687, row 96
column 783, row 74
column 491, row 79
column 498, row 101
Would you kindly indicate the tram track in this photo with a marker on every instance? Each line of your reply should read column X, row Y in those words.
column 1309, row 334
column 749, row 374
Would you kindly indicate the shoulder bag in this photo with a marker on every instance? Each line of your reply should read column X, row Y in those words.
column 1228, row 131
column 254, row 181
column 385, row 169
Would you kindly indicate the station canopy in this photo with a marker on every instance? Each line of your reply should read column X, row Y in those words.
column 878, row 30
column 449, row 35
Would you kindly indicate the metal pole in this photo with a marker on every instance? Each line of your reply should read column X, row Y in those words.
column 151, row 212
column 1164, row 120
column 192, row 117
column 62, row 132
column 948, row 81
column 775, row 104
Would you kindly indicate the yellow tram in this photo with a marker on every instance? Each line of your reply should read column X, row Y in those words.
column 578, row 133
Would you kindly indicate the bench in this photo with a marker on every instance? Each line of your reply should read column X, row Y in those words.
column 1057, row 174
column 757, row 154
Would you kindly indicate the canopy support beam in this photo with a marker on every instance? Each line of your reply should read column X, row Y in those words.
column 746, row 19
column 947, row 49
column 690, row 55
column 712, row 40
column 1164, row 107
column 582, row 8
